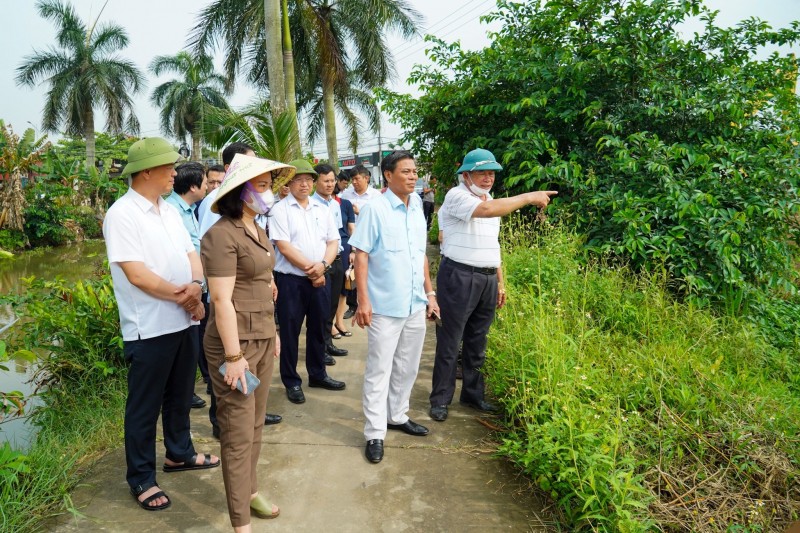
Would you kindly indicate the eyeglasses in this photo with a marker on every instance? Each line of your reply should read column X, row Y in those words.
column 302, row 179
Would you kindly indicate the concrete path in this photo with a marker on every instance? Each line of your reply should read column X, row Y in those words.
column 313, row 466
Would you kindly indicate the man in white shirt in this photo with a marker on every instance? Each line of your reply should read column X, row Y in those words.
column 158, row 279
column 469, row 282
column 306, row 241
column 360, row 192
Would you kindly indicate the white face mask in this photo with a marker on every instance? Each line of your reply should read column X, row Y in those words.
column 260, row 203
column 477, row 191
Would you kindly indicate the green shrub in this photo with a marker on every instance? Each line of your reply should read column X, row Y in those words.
column 82, row 377
column 11, row 240
column 45, row 215
column 634, row 411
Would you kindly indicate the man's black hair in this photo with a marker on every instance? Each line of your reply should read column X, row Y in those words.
column 231, row 204
column 389, row 163
column 188, row 174
column 233, row 149
column 216, row 168
column 323, row 168
column 359, row 170
column 343, row 175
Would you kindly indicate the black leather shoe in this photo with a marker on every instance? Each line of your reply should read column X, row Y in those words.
column 438, row 412
column 481, row 405
column 272, row 419
column 410, row 427
column 329, row 360
column 197, row 402
column 349, row 313
column 374, row 451
column 333, row 350
column 215, row 431
column 327, row 383
column 295, row 394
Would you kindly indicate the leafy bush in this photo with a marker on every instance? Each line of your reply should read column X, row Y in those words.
column 11, row 239
column 670, row 153
column 82, row 377
column 45, row 215
column 74, row 328
column 637, row 412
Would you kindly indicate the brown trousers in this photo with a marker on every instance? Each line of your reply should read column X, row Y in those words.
column 241, row 422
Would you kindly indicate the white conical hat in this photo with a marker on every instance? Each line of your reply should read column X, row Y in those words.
column 246, row 167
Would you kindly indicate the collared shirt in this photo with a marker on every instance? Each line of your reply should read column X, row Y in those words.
column 359, row 200
column 336, row 211
column 187, row 216
column 394, row 237
column 135, row 231
column 309, row 229
column 205, row 215
column 468, row 240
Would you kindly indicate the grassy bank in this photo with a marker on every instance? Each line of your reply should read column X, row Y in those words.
column 636, row 412
column 76, row 328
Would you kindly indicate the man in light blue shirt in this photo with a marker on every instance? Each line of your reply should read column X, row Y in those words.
column 395, row 295
column 190, row 186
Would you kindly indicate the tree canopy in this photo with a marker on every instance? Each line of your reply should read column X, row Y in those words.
column 669, row 151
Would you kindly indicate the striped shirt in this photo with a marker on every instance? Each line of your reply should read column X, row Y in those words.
column 468, row 240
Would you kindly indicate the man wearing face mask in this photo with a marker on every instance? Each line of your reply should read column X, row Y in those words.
column 469, row 283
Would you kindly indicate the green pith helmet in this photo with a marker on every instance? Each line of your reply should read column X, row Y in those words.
column 479, row 159
column 303, row 167
column 149, row 153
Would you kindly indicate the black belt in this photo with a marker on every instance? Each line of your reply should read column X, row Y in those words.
column 490, row 271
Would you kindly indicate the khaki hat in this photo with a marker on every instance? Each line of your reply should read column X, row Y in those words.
column 149, row 153
column 246, row 167
column 303, row 167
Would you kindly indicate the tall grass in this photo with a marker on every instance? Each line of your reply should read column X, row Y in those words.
column 636, row 412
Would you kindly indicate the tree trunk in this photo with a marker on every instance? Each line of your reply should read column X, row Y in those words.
column 272, row 25
column 330, row 120
column 197, row 151
column 13, row 202
column 288, row 70
column 88, row 134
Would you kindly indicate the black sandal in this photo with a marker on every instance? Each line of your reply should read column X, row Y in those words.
column 191, row 464
column 145, row 504
column 342, row 333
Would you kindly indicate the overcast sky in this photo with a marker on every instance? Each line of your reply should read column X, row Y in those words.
column 161, row 28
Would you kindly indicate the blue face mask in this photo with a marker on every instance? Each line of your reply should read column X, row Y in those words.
column 260, row 203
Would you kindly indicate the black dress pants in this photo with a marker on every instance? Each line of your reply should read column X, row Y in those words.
column 160, row 381
column 467, row 302
column 298, row 300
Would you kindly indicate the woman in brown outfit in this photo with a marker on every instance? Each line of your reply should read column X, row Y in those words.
column 238, row 260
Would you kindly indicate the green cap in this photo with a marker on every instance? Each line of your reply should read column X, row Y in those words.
column 479, row 159
column 149, row 153
column 303, row 167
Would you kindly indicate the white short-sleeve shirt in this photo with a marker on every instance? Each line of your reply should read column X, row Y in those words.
column 306, row 228
column 135, row 231
column 468, row 240
column 359, row 200
column 205, row 216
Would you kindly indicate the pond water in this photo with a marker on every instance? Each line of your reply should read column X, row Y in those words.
column 73, row 262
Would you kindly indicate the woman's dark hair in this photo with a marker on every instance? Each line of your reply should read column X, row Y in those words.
column 231, row 204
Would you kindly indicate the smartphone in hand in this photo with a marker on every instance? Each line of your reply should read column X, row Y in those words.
column 436, row 318
column 252, row 381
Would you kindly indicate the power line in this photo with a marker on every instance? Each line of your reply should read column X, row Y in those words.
column 411, row 43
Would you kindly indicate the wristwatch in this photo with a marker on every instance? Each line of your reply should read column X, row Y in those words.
column 326, row 265
column 202, row 284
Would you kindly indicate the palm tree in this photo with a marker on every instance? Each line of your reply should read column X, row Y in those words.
column 83, row 73
column 184, row 102
column 329, row 39
column 19, row 156
column 271, row 136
